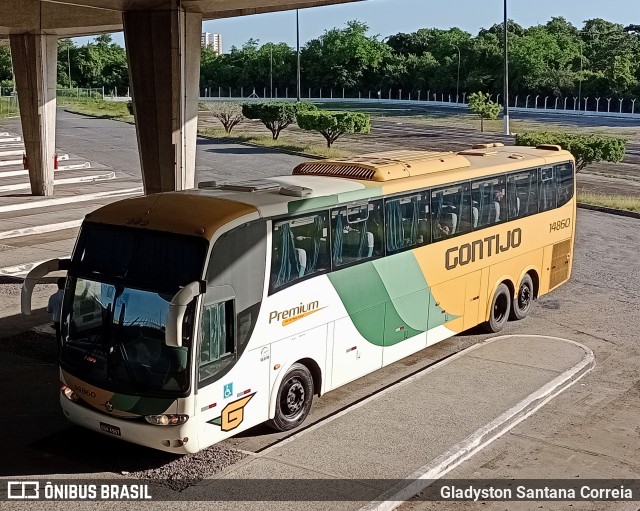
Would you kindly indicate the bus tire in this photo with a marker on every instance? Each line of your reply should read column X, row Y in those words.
column 523, row 299
column 500, row 309
column 294, row 399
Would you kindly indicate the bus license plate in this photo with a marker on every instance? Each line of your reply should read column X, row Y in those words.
column 108, row 428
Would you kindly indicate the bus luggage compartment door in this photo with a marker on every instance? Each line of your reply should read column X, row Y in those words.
column 357, row 345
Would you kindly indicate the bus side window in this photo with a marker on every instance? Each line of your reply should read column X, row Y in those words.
column 451, row 211
column 299, row 248
column 217, row 339
column 522, row 194
column 357, row 232
column 489, row 202
column 564, row 181
column 407, row 222
column 547, row 197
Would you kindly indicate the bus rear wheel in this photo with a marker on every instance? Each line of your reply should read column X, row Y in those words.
column 523, row 299
column 500, row 309
column 294, row 399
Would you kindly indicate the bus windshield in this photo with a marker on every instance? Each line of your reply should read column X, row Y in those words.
column 118, row 292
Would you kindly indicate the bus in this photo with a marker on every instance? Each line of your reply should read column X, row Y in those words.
column 191, row 316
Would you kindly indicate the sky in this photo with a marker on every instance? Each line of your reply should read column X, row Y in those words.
column 388, row 17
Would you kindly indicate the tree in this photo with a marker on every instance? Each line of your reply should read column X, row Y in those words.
column 276, row 116
column 481, row 104
column 227, row 112
column 586, row 149
column 332, row 125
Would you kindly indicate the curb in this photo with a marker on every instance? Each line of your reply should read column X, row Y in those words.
column 611, row 211
column 426, row 475
column 274, row 149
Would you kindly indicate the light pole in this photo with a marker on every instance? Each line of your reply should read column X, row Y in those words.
column 298, row 51
column 580, row 81
column 458, row 80
column 506, row 74
column 271, row 71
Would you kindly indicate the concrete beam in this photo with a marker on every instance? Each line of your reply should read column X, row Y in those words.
column 163, row 49
column 34, row 63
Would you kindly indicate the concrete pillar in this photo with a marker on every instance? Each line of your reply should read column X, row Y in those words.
column 163, row 50
column 34, row 66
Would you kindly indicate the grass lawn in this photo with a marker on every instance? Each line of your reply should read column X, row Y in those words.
column 609, row 201
column 97, row 108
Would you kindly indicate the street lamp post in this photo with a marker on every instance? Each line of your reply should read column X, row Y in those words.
column 580, row 81
column 298, row 53
column 458, row 80
column 271, row 71
column 506, row 74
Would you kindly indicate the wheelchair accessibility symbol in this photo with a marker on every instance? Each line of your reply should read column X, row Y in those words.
column 228, row 390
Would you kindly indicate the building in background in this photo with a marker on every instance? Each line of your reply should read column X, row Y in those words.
column 213, row 40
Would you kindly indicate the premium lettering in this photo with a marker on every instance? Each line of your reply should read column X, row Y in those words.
column 479, row 249
column 294, row 312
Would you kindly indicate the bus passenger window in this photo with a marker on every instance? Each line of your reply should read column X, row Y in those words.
column 217, row 339
column 522, row 194
column 356, row 233
column 564, row 179
column 300, row 248
column 407, row 222
column 489, row 202
column 547, row 197
column 451, row 211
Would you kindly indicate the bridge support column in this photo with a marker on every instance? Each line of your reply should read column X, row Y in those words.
column 34, row 65
column 163, row 50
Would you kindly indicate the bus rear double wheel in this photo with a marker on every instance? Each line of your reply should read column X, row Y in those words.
column 500, row 309
column 294, row 399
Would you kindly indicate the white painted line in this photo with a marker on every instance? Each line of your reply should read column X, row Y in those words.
column 62, row 157
column 74, row 166
column 65, row 181
column 12, row 153
column 40, row 229
column 10, row 139
column 45, row 203
column 4, row 134
column 426, row 475
column 6, row 163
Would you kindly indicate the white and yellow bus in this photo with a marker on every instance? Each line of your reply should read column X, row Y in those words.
column 191, row 316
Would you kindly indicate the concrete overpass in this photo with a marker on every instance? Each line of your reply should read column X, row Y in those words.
column 162, row 39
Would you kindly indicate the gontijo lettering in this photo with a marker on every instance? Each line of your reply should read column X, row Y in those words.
column 479, row 249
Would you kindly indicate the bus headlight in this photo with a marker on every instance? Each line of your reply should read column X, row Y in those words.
column 167, row 420
column 69, row 394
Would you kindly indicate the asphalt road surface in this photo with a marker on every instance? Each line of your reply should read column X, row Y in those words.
column 592, row 430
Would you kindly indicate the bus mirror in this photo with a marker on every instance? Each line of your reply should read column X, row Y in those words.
column 32, row 278
column 177, row 309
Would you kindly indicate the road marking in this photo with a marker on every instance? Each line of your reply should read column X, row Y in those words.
column 10, row 139
column 40, row 229
column 457, row 454
column 65, row 181
column 45, row 203
column 19, row 269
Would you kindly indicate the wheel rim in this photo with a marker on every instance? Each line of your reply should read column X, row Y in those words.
column 293, row 398
column 500, row 308
column 524, row 297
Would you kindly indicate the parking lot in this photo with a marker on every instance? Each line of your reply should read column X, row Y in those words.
column 590, row 430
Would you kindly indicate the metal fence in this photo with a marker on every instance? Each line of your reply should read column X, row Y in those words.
column 603, row 106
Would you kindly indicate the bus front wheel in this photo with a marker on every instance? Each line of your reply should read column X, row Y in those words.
column 500, row 309
column 294, row 399
column 524, row 298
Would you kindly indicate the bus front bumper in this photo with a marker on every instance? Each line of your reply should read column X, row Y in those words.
column 175, row 439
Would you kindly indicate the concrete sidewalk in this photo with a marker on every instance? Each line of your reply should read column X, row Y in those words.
column 387, row 447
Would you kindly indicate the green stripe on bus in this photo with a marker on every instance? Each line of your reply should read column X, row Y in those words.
column 388, row 300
